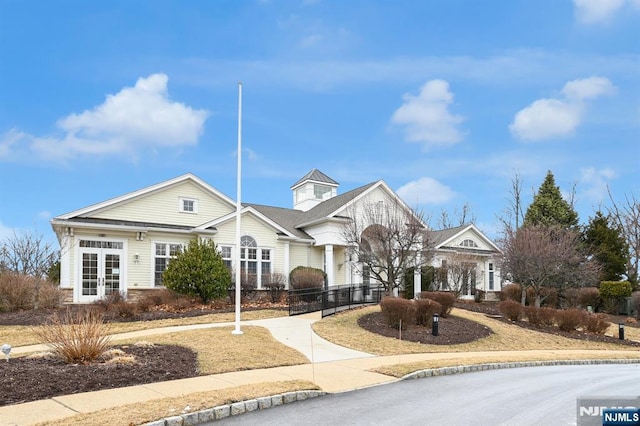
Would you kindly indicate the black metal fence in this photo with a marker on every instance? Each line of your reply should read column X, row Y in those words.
column 334, row 299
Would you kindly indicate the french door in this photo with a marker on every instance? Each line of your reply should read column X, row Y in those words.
column 100, row 273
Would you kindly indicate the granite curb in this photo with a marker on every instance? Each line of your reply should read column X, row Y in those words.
column 447, row 371
column 223, row 411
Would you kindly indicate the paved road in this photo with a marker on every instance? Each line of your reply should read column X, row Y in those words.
column 520, row 396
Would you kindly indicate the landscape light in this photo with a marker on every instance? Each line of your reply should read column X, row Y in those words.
column 6, row 350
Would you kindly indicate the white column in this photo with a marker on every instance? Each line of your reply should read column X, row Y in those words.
column 328, row 259
column 287, row 264
column 417, row 278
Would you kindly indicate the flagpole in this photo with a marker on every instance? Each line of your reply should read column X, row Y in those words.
column 238, row 214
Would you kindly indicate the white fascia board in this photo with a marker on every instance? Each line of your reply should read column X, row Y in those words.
column 103, row 226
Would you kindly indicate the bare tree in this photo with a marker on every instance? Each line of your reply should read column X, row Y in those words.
column 627, row 217
column 460, row 272
column 459, row 217
column 539, row 257
column 388, row 239
column 513, row 214
column 27, row 253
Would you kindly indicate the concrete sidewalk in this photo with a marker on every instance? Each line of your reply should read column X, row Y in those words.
column 333, row 368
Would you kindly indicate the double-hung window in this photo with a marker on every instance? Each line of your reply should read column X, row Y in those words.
column 163, row 253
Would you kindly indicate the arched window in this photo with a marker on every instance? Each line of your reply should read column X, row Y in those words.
column 468, row 243
column 255, row 262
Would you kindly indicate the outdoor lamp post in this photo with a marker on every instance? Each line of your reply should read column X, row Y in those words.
column 621, row 331
column 434, row 324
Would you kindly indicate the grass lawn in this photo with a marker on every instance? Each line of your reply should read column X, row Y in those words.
column 24, row 335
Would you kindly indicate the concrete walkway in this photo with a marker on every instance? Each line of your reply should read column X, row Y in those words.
column 333, row 368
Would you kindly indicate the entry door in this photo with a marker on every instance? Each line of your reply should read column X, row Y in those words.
column 100, row 275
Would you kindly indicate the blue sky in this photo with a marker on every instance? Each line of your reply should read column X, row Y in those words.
column 445, row 101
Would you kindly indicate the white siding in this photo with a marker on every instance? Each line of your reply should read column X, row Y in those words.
column 163, row 207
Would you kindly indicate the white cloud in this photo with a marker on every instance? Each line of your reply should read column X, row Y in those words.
column 135, row 118
column 600, row 11
column 588, row 88
column 551, row 117
column 426, row 117
column 595, row 183
column 425, row 190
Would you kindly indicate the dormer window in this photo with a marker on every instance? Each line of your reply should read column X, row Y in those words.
column 469, row 243
column 188, row 205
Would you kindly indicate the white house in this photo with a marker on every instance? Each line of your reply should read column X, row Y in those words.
column 124, row 244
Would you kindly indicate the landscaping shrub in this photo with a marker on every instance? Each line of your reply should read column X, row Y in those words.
column 589, row 296
column 511, row 292
column 307, row 278
column 198, row 271
column 77, row 337
column 570, row 319
column 547, row 316
column 397, row 311
column 17, row 291
column 445, row 299
column 50, row 296
column 597, row 323
column 511, row 309
column 532, row 314
column 424, row 310
column 150, row 299
column 615, row 289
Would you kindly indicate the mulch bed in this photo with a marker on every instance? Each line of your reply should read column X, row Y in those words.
column 491, row 310
column 451, row 330
column 31, row 379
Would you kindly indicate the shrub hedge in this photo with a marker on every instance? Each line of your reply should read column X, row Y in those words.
column 445, row 299
column 511, row 309
column 397, row 311
column 424, row 310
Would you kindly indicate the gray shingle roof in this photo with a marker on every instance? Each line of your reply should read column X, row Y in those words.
column 316, row 176
column 442, row 235
column 286, row 218
column 291, row 219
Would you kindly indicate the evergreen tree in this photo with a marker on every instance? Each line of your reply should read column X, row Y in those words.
column 549, row 208
column 607, row 245
column 198, row 271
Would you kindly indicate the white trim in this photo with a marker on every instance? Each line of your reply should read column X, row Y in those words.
column 181, row 203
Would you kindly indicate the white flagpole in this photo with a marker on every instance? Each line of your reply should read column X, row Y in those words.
column 238, row 209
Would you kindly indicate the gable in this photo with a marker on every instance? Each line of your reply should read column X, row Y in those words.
column 162, row 205
column 466, row 238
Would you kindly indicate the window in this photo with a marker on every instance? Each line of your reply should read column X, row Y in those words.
column 188, row 205
column 490, row 276
column 321, row 192
column 102, row 244
column 164, row 252
column 225, row 253
column 468, row 243
column 255, row 262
